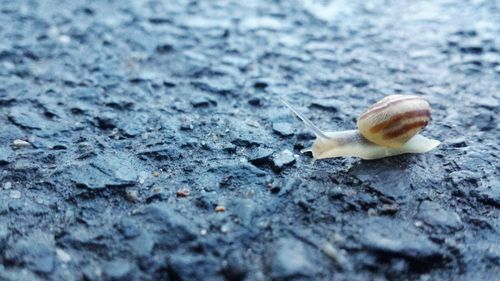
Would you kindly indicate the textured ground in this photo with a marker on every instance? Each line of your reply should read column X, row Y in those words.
column 127, row 127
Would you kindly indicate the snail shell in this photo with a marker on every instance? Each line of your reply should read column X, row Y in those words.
column 389, row 127
column 394, row 120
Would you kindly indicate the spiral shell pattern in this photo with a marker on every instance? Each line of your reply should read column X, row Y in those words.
column 394, row 120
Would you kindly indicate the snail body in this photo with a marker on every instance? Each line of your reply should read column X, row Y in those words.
column 389, row 127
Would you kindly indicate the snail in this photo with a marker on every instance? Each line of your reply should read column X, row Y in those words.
column 389, row 127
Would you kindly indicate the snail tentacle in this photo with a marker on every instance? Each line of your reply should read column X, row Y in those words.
column 304, row 150
column 317, row 131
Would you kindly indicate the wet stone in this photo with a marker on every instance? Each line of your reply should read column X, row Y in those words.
column 13, row 275
column 164, row 48
column 17, row 144
column 260, row 85
column 245, row 211
column 283, row 159
column 236, row 267
column 246, row 134
column 284, row 267
column 397, row 267
column 261, row 156
column 388, row 209
column 120, row 270
column 221, row 85
column 36, row 252
column 157, row 196
column 356, row 82
column 202, row 101
column 128, row 228
column 434, row 215
column 142, row 245
column 472, row 47
column 7, row 185
column 488, row 102
column 305, row 136
column 206, row 200
column 92, row 272
column 366, row 200
column 327, row 104
column 237, row 174
column 107, row 170
column 229, row 148
column 457, row 142
column 464, row 179
column 107, row 120
column 488, row 195
column 134, row 126
column 27, row 118
column 171, row 227
column 4, row 234
column 283, row 129
column 485, row 121
column 63, row 256
column 394, row 239
column 189, row 266
column 493, row 254
column 262, row 23
column 120, row 103
column 15, row 194
column 161, row 153
column 255, row 102
column 6, row 155
column 87, row 238
column 337, row 193
column 132, row 195
column 390, row 183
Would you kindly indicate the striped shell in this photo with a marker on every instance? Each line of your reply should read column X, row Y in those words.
column 394, row 120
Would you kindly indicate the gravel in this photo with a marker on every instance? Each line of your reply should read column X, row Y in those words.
column 143, row 140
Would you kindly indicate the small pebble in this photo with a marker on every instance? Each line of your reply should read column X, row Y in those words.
column 183, row 192
column 15, row 194
column 389, row 209
column 64, row 39
column 132, row 195
column 186, row 127
column 255, row 102
column 142, row 177
column 283, row 159
column 335, row 254
column 63, row 256
column 8, row 65
column 252, row 123
column 7, row 185
column 261, row 156
column 220, row 209
column 17, row 143
column 225, row 228
column 283, row 129
column 260, row 85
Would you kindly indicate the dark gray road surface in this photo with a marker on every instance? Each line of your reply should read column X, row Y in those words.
column 144, row 140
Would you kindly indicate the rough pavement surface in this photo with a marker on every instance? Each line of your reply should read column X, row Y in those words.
column 144, row 140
